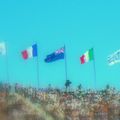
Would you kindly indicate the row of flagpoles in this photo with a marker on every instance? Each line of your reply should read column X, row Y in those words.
column 59, row 54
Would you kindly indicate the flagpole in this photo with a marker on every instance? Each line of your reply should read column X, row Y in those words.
column 94, row 67
column 65, row 64
column 7, row 69
column 38, row 71
column 37, row 66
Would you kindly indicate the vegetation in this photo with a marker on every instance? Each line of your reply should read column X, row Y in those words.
column 55, row 104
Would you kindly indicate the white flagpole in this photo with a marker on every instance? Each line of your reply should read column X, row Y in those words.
column 37, row 66
column 7, row 69
column 65, row 63
column 94, row 68
column 38, row 71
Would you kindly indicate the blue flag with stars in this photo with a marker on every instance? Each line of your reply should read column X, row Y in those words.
column 57, row 55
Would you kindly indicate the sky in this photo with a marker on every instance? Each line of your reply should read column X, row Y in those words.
column 79, row 24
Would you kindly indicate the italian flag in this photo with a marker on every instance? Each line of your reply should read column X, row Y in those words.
column 88, row 56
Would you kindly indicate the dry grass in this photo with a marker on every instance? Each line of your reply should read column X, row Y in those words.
column 15, row 107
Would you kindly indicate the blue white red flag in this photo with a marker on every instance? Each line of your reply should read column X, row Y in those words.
column 30, row 52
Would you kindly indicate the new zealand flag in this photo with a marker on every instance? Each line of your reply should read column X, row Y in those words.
column 57, row 55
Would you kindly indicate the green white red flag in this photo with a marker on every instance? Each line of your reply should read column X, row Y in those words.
column 87, row 56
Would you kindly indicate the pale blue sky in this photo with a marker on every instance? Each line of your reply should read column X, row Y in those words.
column 52, row 23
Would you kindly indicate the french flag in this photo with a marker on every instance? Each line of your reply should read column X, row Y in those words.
column 30, row 52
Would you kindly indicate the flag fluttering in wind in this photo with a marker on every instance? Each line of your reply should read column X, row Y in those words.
column 2, row 48
column 114, row 58
column 88, row 56
column 30, row 52
column 57, row 55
